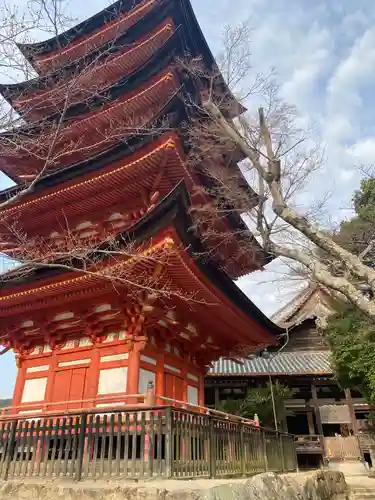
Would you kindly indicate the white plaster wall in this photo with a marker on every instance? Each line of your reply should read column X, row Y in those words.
column 192, row 395
column 39, row 368
column 145, row 376
column 34, row 390
column 113, row 380
column 114, row 357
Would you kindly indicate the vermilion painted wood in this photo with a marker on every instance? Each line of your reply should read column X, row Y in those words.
column 80, row 382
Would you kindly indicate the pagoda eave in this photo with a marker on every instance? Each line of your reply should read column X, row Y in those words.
column 128, row 175
column 21, row 91
column 101, row 194
column 97, row 79
column 116, row 21
column 208, row 285
column 130, row 37
column 182, row 8
column 129, row 247
column 95, row 132
column 156, row 64
column 120, row 152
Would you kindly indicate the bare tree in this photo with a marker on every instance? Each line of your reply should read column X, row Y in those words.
column 32, row 147
column 278, row 160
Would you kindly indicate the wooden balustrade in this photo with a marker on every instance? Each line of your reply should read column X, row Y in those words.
column 137, row 443
column 309, row 444
column 342, row 448
column 366, row 440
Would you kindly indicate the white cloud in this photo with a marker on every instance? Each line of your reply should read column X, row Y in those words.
column 363, row 151
column 347, row 175
column 324, row 55
column 346, row 89
column 312, row 60
column 354, row 21
column 355, row 69
column 337, row 128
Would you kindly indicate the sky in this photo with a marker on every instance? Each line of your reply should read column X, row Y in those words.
column 323, row 54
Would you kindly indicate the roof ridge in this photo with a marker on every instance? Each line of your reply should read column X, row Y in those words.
column 294, row 303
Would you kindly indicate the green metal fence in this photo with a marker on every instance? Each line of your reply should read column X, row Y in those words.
column 140, row 443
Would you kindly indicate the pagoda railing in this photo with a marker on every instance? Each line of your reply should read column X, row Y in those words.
column 309, row 444
column 139, row 442
column 367, row 440
column 342, row 448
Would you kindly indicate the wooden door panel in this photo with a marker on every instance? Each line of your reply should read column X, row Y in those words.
column 69, row 385
column 60, row 390
column 77, row 386
column 168, row 389
column 178, row 388
column 173, row 386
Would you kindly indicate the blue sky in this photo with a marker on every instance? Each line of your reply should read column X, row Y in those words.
column 323, row 52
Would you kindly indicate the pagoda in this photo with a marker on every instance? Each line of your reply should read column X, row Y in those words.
column 111, row 99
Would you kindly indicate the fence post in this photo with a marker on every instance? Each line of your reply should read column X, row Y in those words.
column 295, row 455
column 168, row 443
column 211, row 447
column 81, row 447
column 264, row 443
column 10, row 448
column 242, row 449
column 282, row 452
column 150, row 398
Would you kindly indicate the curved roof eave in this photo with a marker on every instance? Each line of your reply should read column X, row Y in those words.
column 197, row 42
column 173, row 210
column 121, row 150
column 149, row 23
column 97, row 20
column 125, row 86
column 83, row 28
column 159, row 61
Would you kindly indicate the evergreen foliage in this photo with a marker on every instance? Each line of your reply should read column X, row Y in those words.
column 350, row 333
column 351, row 336
column 259, row 401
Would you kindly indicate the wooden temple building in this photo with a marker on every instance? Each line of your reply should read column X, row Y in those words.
column 109, row 85
column 330, row 423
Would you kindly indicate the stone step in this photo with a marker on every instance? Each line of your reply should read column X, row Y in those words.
column 363, row 493
column 352, row 468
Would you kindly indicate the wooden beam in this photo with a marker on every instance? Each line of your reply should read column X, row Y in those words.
column 217, row 397
column 310, row 421
column 316, row 409
column 349, row 401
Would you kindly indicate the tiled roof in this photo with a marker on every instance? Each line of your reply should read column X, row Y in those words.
column 284, row 314
column 313, row 301
column 285, row 363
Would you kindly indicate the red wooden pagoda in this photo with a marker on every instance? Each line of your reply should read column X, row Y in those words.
column 79, row 340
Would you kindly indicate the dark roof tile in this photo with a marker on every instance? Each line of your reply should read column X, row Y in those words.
column 287, row 363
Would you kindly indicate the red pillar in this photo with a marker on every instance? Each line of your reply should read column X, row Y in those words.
column 133, row 372
column 201, row 390
column 50, row 381
column 159, row 385
column 185, row 380
column 92, row 377
column 18, row 388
